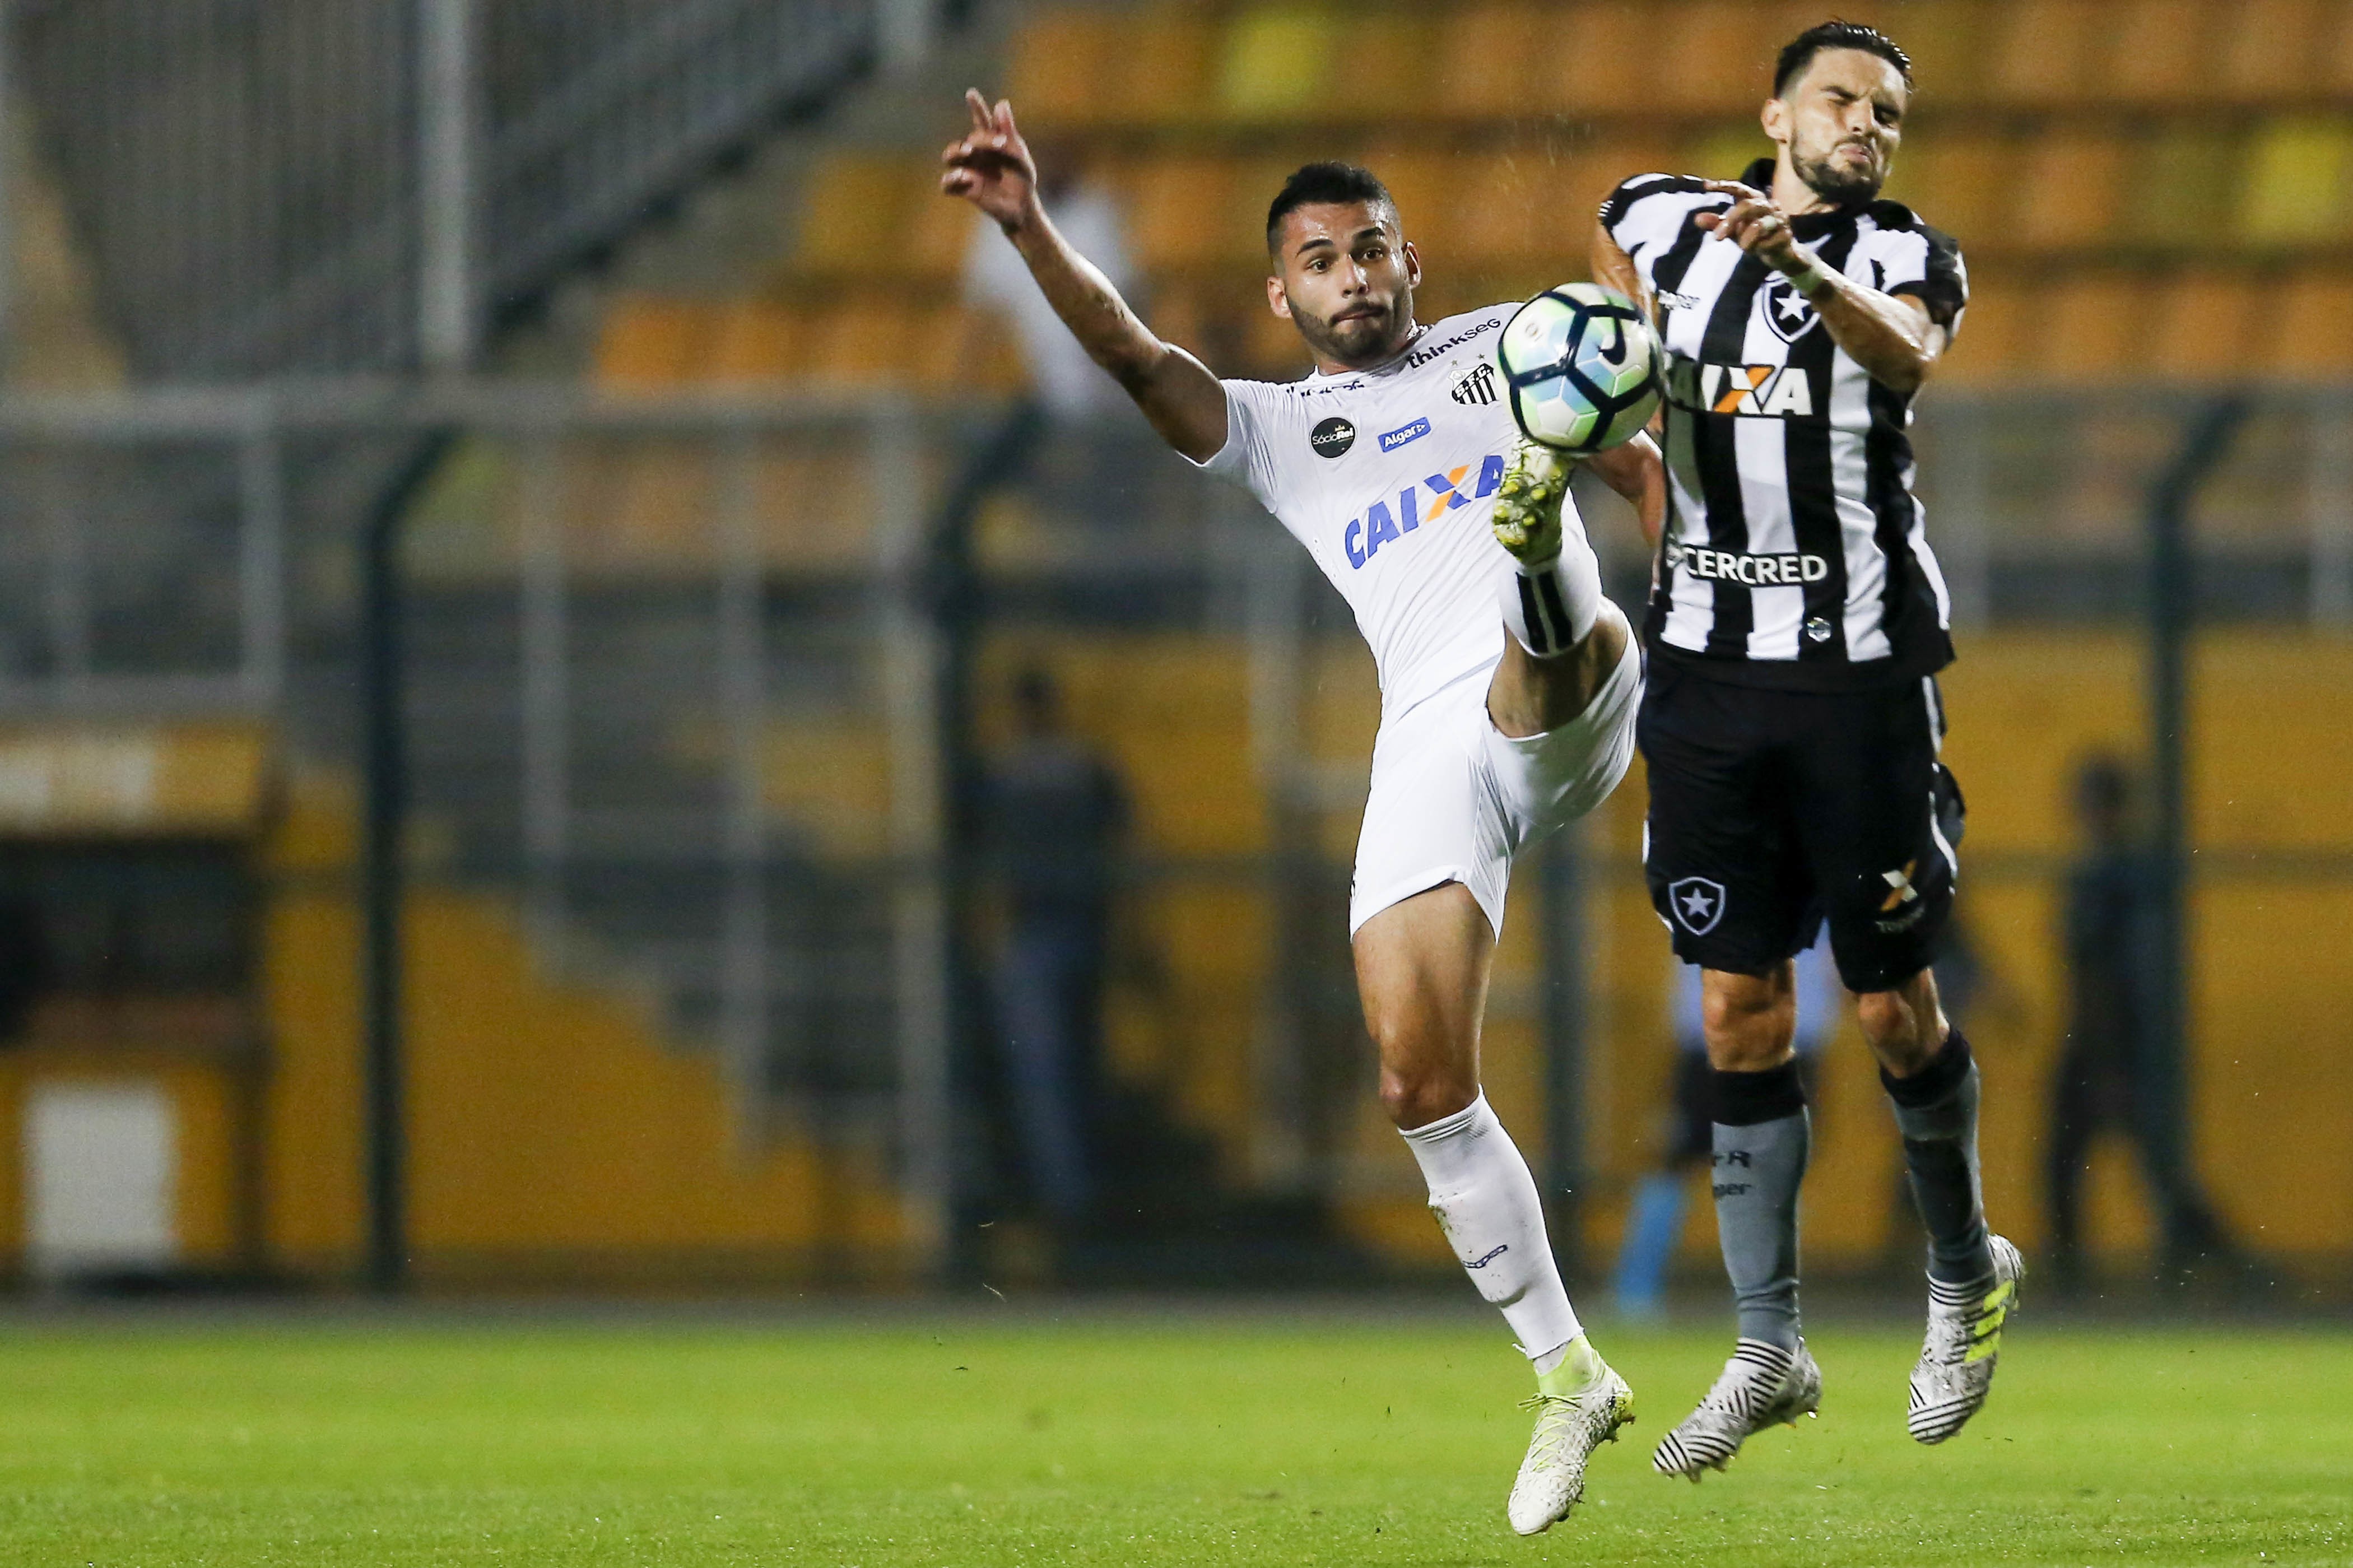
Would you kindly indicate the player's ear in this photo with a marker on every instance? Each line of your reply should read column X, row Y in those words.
column 1775, row 118
column 1278, row 299
column 1412, row 265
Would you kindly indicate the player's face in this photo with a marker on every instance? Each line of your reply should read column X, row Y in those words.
column 1841, row 121
column 1345, row 280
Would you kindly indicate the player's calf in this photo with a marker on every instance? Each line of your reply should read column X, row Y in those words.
column 1552, row 596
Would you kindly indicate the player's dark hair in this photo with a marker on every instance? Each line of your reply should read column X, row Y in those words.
column 1800, row 52
column 1314, row 185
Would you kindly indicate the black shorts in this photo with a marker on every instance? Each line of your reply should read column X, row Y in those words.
column 1773, row 810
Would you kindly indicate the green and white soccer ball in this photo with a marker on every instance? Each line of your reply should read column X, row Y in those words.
column 1582, row 368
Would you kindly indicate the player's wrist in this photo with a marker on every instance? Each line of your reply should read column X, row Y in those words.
column 1805, row 272
column 1026, row 218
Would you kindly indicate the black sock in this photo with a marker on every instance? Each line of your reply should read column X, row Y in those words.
column 1936, row 1111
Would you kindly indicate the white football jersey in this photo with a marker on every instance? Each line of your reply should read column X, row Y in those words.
column 1388, row 476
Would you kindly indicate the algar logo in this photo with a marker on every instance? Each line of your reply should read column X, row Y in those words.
column 1365, row 535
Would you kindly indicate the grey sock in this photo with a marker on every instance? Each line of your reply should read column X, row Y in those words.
column 1760, row 1159
column 1936, row 1111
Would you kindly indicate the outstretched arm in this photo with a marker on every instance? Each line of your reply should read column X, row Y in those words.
column 991, row 168
column 1892, row 336
column 1638, row 472
column 1613, row 268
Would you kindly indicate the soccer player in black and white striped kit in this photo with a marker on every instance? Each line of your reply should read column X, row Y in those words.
column 1792, row 724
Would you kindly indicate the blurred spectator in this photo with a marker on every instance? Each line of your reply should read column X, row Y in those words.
column 1071, row 387
column 2104, row 1080
column 1655, row 1219
column 1055, row 816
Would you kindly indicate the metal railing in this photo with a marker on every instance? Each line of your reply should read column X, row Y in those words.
column 356, row 185
column 672, row 679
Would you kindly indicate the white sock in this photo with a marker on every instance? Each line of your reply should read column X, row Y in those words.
column 1552, row 607
column 1488, row 1207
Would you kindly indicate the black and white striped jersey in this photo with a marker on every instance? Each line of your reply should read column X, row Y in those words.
column 1794, row 553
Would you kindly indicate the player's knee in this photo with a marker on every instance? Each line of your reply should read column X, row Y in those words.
column 1748, row 1020
column 1897, row 1029
column 1417, row 1095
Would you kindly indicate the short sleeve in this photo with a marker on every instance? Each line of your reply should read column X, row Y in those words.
column 1248, row 457
column 1631, row 215
column 1928, row 267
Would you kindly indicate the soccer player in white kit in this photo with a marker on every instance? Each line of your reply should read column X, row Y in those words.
column 1509, row 684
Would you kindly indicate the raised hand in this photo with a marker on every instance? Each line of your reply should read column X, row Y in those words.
column 991, row 167
column 1756, row 224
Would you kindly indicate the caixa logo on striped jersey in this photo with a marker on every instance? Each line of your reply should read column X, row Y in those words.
column 1448, row 491
column 1757, row 391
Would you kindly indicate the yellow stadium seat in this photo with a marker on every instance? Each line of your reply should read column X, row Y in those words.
column 1421, row 182
column 2298, row 183
column 755, row 340
column 1961, row 182
column 2157, row 53
column 861, row 341
column 1271, row 346
column 1725, row 151
column 1612, row 69
column 2310, row 329
column 1062, row 72
column 2204, row 326
column 1527, row 215
column 644, row 506
column 1488, row 57
column 1162, row 63
column 938, row 340
column 1715, row 56
column 1241, row 229
column 816, row 504
column 1996, row 333
column 1277, row 62
column 2335, row 55
column 1384, row 68
column 2045, row 51
column 1182, row 207
column 2075, row 182
column 2089, row 325
column 1180, row 314
column 1506, row 204
column 2185, row 179
column 938, row 233
column 1593, row 173
column 2275, row 50
column 858, row 203
column 1947, row 41
column 649, row 342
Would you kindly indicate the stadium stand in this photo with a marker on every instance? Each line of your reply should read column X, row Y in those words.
column 2088, row 152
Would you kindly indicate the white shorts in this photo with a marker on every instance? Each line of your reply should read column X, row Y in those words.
column 1454, row 799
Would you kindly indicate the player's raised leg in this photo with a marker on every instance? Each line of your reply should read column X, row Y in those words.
column 1565, row 639
column 1423, row 967
column 1973, row 1275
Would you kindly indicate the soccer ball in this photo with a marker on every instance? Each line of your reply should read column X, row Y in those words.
column 1582, row 368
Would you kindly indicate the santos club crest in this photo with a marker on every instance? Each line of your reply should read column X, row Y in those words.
column 1790, row 313
column 1477, row 385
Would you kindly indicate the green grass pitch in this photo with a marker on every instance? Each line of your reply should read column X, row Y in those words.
column 1118, row 1438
